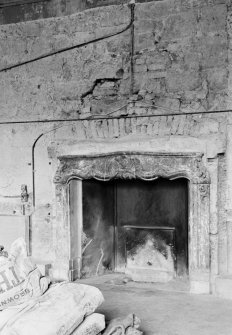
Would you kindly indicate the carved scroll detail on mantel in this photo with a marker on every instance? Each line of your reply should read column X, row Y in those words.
column 204, row 191
column 129, row 165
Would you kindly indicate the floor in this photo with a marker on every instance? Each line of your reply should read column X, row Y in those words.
column 164, row 309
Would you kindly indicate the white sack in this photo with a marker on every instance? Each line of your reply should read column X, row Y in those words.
column 59, row 311
column 20, row 279
column 92, row 325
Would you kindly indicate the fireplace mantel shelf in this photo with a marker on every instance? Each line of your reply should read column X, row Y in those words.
column 118, row 153
column 129, row 165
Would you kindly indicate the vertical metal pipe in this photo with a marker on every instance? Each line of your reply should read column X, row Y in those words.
column 33, row 168
column 115, row 228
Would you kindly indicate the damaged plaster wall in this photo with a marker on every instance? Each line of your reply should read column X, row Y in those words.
column 174, row 59
column 180, row 60
column 54, row 87
column 20, row 11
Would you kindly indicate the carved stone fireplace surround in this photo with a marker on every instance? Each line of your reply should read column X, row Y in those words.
column 129, row 165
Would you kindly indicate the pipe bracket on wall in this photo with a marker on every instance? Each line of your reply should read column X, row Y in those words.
column 25, row 204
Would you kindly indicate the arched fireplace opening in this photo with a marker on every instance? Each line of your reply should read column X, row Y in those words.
column 136, row 227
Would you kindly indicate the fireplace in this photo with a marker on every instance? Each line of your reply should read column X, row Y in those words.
column 145, row 214
column 135, row 226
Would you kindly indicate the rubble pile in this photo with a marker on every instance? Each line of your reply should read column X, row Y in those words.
column 124, row 326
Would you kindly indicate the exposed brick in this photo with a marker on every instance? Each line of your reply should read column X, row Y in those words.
column 133, row 125
column 99, row 129
column 93, row 128
column 105, row 128
column 116, row 128
column 111, row 129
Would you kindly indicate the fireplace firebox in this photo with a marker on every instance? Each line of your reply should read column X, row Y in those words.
column 135, row 226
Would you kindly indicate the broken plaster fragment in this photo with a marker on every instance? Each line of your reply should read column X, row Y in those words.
column 133, row 331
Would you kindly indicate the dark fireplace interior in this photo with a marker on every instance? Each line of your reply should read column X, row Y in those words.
column 135, row 223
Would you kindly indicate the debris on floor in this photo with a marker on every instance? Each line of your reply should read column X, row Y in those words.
column 124, row 326
column 92, row 325
column 119, row 280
